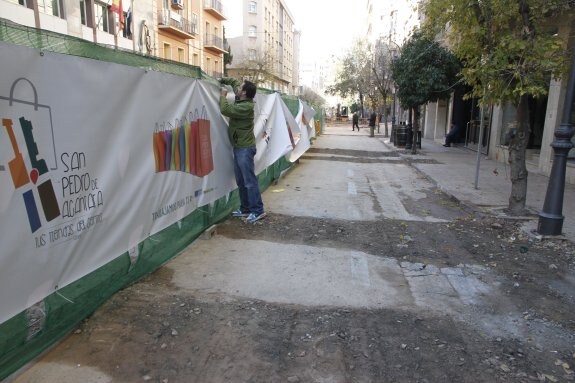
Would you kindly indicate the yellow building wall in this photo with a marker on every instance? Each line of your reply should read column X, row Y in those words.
column 212, row 62
column 174, row 44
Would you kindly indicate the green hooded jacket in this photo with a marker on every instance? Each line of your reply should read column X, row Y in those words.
column 241, row 124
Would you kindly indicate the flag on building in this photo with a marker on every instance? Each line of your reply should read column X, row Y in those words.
column 119, row 9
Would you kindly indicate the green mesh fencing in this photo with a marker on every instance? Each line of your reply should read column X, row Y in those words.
column 74, row 46
column 28, row 334
column 292, row 103
column 320, row 117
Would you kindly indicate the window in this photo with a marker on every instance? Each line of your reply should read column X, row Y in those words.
column 167, row 51
column 26, row 3
column 102, row 17
column 252, row 7
column 86, row 12
column 51, row 7
column 252, row 54
column 58, row 8
column 252, row 31
column 194, row 23
column 181, row 55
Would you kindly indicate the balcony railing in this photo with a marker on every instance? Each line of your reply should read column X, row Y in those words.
column 174, row 22
column 214, row 42
column 215, row 8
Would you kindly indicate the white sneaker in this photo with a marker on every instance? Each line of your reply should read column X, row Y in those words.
column 239, row 213
column 254, row 218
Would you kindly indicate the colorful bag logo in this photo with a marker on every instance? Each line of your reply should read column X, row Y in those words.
column 22, row 179
column 186, row 147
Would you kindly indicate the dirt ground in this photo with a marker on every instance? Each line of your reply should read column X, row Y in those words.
column 140, row 335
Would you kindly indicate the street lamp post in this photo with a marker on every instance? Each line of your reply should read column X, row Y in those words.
column 392, row 138
column 395, row 52
column 551, row 217
column 394, row 107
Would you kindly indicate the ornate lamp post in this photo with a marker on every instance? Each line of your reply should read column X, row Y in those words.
column 551, row 217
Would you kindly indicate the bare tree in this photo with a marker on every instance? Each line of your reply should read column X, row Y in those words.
column 353, row 74
column 383, row 55
column 258, row 66
column 312, row 98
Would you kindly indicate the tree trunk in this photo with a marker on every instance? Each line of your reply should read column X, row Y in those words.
column 415, row 129
column 385, row 115
column 409, row 138
column 517, row 148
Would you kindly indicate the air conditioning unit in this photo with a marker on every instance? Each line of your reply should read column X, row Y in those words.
column 178, row 4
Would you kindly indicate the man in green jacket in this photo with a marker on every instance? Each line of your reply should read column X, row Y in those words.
column 243, row 140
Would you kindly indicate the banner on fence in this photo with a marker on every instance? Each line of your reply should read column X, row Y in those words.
column 95, row 157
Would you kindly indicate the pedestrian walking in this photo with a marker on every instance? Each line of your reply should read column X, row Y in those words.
column 355, row 121
column 243, row 140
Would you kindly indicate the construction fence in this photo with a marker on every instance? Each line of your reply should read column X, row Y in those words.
column 28, row 333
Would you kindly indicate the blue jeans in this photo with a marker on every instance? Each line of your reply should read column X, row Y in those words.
column 250, row 197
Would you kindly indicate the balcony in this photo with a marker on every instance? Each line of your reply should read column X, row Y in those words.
column 214, row 8
column 214, row 43
column 173, row 23
column 217, row 75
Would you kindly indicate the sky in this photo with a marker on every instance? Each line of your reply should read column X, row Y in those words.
column 328, row 27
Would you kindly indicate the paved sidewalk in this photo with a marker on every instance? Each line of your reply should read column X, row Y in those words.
column 456, row 177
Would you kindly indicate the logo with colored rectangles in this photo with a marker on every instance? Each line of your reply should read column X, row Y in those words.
column 187, row 147
column 26, row 164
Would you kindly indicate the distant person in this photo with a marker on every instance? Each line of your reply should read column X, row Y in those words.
column 452, row 136
column 243, row 140
column 355, row 121
column 372, row 119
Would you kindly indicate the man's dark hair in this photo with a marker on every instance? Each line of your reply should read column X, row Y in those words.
column 250, row 89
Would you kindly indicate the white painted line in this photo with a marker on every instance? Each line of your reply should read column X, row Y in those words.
column 360, row 270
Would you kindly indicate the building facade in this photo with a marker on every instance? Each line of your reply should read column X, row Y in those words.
column 186, row 31
column 392, row 21
column 544, row 118
column 266, row 52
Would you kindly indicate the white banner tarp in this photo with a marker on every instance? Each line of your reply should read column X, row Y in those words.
column 95, row 157
column 300, row 132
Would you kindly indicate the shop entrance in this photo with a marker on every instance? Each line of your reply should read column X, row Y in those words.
column 466, row 115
